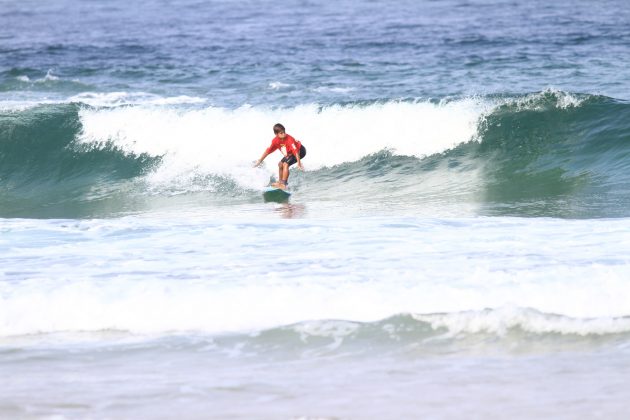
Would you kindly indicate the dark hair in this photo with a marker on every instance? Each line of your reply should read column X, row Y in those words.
column 278, row 128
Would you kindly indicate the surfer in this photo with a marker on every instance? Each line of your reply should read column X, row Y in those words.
column 292, row 150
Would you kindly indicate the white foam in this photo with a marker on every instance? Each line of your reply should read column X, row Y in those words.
column 139, row 304
column 48, row 78
column 278, row 85
column 183, row 274
column 323, row 89
column 501, row 320
column 103, row 99
column 108, row 99
column 535, row 101
column 225, row 142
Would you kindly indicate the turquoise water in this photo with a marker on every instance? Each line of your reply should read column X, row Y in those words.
column 456, row 244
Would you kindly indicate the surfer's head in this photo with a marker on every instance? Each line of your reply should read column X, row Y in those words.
column 278, row 129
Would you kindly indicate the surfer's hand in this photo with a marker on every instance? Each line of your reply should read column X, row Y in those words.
column 256, row 164
column 300, row 166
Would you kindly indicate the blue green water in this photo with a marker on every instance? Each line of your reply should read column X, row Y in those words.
column 230, row 52
column 457, row 242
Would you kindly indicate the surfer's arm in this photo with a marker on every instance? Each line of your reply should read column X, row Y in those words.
column 296, row 152
column 268, row 151
column 264, row 155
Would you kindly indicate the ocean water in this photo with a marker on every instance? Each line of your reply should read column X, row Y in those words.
column 456, row 247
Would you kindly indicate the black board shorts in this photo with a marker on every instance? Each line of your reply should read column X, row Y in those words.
column 291, row 159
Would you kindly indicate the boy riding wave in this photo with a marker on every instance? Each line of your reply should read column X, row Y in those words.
column 292, row 150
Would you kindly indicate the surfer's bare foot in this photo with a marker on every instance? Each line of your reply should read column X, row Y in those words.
column 280, row 185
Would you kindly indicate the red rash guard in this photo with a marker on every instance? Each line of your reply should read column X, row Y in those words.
column 290, row 144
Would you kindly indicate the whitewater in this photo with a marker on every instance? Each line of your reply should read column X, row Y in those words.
column 457, row 245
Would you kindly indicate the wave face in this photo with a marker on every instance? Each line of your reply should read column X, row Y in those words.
column 553, row 155
column 545, row 154
column 42, row 165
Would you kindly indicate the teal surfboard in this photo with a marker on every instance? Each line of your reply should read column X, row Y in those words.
column 277, row 195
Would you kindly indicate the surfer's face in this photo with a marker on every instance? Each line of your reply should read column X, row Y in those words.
column 282, row 135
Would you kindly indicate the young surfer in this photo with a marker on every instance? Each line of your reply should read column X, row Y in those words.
column 292, row 150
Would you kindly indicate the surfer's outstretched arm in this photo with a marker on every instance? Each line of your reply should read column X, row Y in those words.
column 259, row 161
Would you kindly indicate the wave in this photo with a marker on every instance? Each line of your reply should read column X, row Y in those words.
column 503, row 329
column 546, row 154
column 31, row 80
column 544, row 146
column 515, row 330
column 42, row 164
column 550, row 153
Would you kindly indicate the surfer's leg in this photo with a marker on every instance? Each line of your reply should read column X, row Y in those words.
column 288, row 161
column 285, row 173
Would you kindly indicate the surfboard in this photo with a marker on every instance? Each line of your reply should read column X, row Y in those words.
column 274, row 194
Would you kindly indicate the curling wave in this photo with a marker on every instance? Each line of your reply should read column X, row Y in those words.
column 550, row 153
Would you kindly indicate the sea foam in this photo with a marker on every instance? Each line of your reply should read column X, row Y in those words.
column 225, row 142
column 464, row 276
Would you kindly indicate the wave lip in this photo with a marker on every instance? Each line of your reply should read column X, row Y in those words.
column 502, row 321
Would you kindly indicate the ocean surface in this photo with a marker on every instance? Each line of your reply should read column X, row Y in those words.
column 457, row 246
